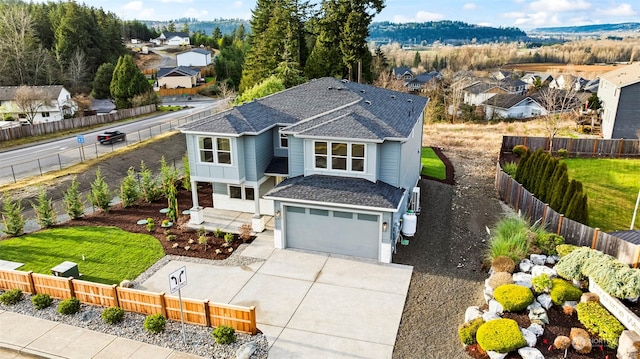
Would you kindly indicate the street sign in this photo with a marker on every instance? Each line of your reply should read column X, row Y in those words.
column 178, row 279
column 80, row 139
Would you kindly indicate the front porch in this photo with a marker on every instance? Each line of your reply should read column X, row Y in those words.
column 229, row 221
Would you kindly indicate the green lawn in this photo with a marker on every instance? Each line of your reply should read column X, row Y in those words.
column 432, row 165
column 612, row 186
column 111, row 254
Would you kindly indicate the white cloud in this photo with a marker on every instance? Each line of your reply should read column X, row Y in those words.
column 148, row 13
column 518, row 1
column 177, row 1
column 488, row 24
column 470, row 6
column 620, row 10
column 538, row 19
column 421, row 16
column 198, row 14
column 133, row 5
column 559, row 5
column 514, row 14
column 238, row 4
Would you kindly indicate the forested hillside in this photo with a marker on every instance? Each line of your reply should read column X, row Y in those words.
column 588, row 29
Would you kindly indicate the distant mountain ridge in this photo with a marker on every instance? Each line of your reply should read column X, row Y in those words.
column 590, row 29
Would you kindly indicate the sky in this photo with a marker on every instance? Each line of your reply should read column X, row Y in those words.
column 525, row 14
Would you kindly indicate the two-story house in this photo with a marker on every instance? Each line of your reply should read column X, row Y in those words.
column 424, row 81
column 194, row 57
column 57, row 104
column 334, row 162
column 619, row 92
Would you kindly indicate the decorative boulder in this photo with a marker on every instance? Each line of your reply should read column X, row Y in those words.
column 529, row 337
column 126, row 284
column 490, row 316
column 552, row 259
column 525, row 265
column 538, row 259
column 472, row 313
column 580, row 340
column 246, row 350
column 536, row 329
column 537, row 270
column 523, row 279
column 539, row 316
column 495, row 307
column 589, row 297
column 530, row 353
column 545, row 300
column 500, row 278
column 629, row 345
column 534, row 305
column 496, row 355
column 561, row 342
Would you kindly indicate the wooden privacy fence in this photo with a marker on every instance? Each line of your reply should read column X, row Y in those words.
column 523, row 201
column 71, row 123
column 200, row 312
column 577, row 147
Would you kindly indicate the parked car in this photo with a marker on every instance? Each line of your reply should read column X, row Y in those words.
column 109, row 137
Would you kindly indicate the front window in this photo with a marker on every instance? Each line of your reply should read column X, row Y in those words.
column 241, row 192
column 339, row 156
column 284, row 140
column 215, row 150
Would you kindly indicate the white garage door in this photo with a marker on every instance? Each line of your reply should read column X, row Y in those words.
column 348, row 233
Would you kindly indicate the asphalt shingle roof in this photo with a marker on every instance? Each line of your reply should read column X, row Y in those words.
column 505, row 101
column 324, row 107
column 334, row 190
column 8, row 93
column 278, row 166
column 181, row 70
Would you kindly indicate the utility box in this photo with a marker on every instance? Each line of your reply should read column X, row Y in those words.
column 66, row 269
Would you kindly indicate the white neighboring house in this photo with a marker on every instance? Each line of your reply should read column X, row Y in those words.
column 513, row 106
column 60, row 104
column 174, row 38
column 194, row 57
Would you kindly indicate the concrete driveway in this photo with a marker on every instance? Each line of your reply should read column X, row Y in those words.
column 309, row 305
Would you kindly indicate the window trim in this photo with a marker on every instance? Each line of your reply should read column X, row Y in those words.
column 329, row 156
column 281, row 137
column 243, row 192
column 215, row 151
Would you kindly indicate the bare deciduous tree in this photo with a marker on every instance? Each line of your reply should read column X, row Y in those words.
column 77, row 70
column 30, row 99
column 386, row 80
column 557, row 103
column 226, row 94
column 17, row 45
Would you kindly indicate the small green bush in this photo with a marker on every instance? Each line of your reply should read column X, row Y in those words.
column 228, row 237
column 224, row 334
column 563, row 153
column 562, row 291
column 151, row 224
column 467, row 331
column 547, row 242
column 519, row 150
column 41, row 301
column 510, row 168
column 69, row 306
column 155, row 323
column 500, row 335
column 597, row 320
column 112, row 315
column 11, row 297
column 542, row 283
column 218, row 233
column 513, row 297
column 564, row 249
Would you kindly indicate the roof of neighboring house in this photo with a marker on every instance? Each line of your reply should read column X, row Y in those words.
column 102, row 105
column 197, row 51
column 509, row 82
column 8, row 93
column 479, row 87
column 169, row 35
column 338, row 191
column 543, row 76
column 326, row 108
column 592, row 85
column 397, row 71
column 425, row 77
column 507, row 101
column 631, row 236
column 624, row 76
column 279, row 166
column 180, row 71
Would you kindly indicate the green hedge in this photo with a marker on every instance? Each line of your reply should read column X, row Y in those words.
column 500, row 335
column 513, row 297
column 562, row 291
column 467, row 331
column 597, row 320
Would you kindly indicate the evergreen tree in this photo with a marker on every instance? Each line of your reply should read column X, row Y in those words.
column 129, row 189
column 538, row 178
column 12, row 216
column 379, row 64
column 127, row 82
column 100, row 195
column 568, row 195
column 546, row 183
column 267, row 87
column 584, row 210
column 522, row 167
column 71, row 198
column 102, row 81
column 560, row 188
column 575, row 209
column 45, row 213
column 149, row 186
column 417, row 59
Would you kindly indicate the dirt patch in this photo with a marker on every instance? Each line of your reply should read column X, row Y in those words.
column 148, row 61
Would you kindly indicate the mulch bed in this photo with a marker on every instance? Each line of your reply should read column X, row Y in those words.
column 127, row 218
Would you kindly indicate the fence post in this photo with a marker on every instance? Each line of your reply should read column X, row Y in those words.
column 570, row 147
column 163, row 305
column 507, row 193
column 115, row 294
column 70, row 285
column 560, row 223
column 595, row 238
column 595, row 146
column 547, row 143
column 207, row 319
column 519, row 195
column 525, row 141
column 252, row 318
column 32, row 286
column 544, row 214
column 620, row 148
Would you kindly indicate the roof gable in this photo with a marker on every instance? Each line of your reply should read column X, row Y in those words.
column 176, row 71
column 8, row 93
column 624, row 76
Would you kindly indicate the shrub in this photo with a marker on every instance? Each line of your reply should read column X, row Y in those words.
column 513, row 297
column 149, row 186
column 155, row 323
column 519, row 150
column 562, row 291
column 171, row 237
column 129, row 189
column 112, row 315
column 165, row 222
column 542, row 283
column 500, row 335
column 218, row 233
column 100, row 194
column 151, row 224
column 548, row 242
column 503, row 264
column 12, row 217
column 11, row 297
column 570, row 266
column 45, row 212
column 69, row 306
column 599, row 321
column 564, row 249
column 510, row 168
column 510, row 239
column 563, row 153
column 245, row 232
column 201, row 231
column 500, row 278
column 467, row 331
column 224, row 334
column 41, row 301
column 228, row 237
column 73, row 204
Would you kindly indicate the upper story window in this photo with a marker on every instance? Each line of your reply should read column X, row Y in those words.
column 215, row 150
column 284, row 140
column 46, row 114
column 339, row 156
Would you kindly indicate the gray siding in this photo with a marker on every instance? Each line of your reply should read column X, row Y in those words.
column 410, row 158
column 207, row 172
column 277, row 150
column 264, row 152
column 249, row 161
column 389, row 163
column 627, row 121
column 296, row 157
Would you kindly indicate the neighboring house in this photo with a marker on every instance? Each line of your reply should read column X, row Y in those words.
column 479, row 92
column 592, row 85
column 565, row 82
column 177, row 77
column 619, row 92
column 513, row 86
column 335, row 162
column 103, row 106
column 423, row 81
column 174, row 38
column 502, row 74
column 60, row 104
column 194, row 57
column 403, row 73
column 513, row 106
column 530, row 78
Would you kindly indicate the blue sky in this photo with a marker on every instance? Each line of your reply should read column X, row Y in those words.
column 525, row 14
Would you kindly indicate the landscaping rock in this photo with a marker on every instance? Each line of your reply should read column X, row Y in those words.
column 537, row 270
column 589, row 297
column 126, row 284
column 523, row 279
column 490, row 316
column 530, row 353
column 580, row 340
column 525, row 265
column 472, row 313
column 530, row 337
column 552, row 259
column 495, row 307
column 545, row 300
column 539, row 316
column 535, row 304
column 499, row 278
column 570, row 303
column 496, row 355
column 538, row 259
column 629, row 345
column 561, row 342
column 487, row 296
column 536, row 329
column 246, row 350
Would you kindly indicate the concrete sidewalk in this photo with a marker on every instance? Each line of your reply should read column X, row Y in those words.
column 28, row 337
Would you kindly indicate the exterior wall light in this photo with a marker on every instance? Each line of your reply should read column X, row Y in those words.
column 385, row 226
column 277, row 213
